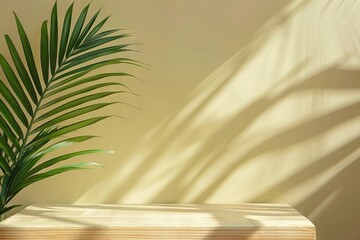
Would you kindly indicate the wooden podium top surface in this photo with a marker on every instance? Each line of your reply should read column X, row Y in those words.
column 166, row 221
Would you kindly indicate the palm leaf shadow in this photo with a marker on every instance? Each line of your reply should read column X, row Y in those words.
column 334, row 208
column 302, row 132
column 236, row 63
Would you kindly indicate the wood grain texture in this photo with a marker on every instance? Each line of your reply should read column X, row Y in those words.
column 177, row 221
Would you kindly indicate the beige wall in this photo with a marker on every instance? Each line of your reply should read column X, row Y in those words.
column 245, row 101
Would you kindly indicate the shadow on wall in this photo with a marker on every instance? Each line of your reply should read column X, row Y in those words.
column 336, row 204
column 299, row 133
column 278, row 122
column 174, row 131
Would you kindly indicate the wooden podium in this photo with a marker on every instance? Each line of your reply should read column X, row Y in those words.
column 175, row 221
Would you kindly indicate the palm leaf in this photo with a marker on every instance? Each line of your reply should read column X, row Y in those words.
column 15, row 84
column 67, row 129
column 8, row 116
column 104, row 34
column 22, row 170
column 28, row 55
column 41, row 176
column 64, row 157
column 81, row 91
column 86, row 29
column 4, row 126
column 44, row 49
column 98, row 42
column 53, row 38
column 6, row 209
column 65, row 33
column 15, row 106
column 24, row 76
column 93, row 55
column 74, row 103
column 96, row 29
column 6, row 148
column 71, row 115
column 29, row 150
column 77, row 29
column 30, row 123
column 81, row 71
column 5, row 167
column 70, row 83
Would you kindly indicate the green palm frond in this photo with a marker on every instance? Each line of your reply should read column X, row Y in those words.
column 35, row 106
